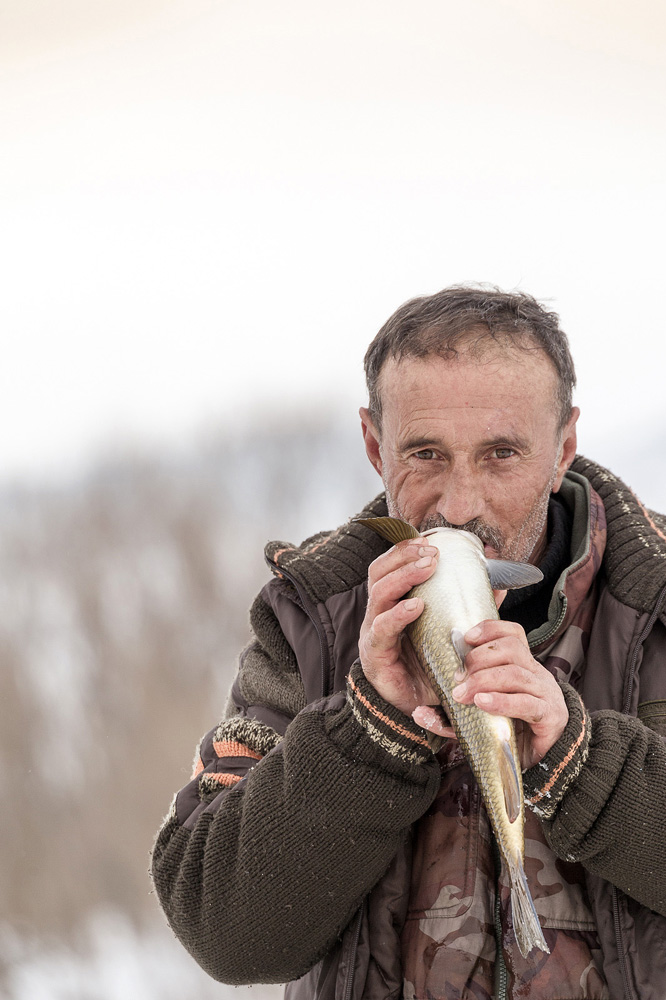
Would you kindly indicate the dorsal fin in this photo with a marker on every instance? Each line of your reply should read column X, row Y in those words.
column 391, row 528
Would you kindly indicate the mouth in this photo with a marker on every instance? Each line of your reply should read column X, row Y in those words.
column 492, row 538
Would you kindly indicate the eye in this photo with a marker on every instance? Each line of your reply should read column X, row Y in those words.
column 426, row 454
column 503, row 452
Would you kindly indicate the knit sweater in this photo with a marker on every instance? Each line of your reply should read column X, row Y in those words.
column 298, row 805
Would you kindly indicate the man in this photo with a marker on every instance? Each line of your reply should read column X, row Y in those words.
column 327, row 833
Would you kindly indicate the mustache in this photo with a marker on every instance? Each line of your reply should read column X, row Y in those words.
column 477, row 526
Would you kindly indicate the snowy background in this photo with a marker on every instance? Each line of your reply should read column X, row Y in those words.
column 207, row 209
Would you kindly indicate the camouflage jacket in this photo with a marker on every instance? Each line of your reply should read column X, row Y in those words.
column 290, row 852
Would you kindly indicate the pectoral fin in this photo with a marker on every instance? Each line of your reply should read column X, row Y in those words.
column 391, row 528
column 461, row 647
column 510, row 782
column 511, row 575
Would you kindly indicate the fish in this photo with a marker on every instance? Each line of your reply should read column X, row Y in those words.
column 457, row 597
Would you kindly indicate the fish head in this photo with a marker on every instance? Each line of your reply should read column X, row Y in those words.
column 503, row 574
column 445, row 537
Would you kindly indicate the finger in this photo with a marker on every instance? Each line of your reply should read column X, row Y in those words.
column 515, row 705
column 433, row 720
column 544, row 716
column 494, row 628
column 545, row 721
column 407, row 551
column 506, row 678
column 508, row 650
column 386, row 629
column 385, row 591
column 499, row 596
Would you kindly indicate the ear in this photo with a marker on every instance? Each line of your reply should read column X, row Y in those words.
column 567, row 448
column 371, row 438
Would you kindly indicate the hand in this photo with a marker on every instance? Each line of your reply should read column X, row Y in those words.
column 433, row 717
column 387, row 657
column 502, row 677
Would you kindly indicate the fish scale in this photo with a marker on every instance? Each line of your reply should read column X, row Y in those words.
column 480, row 734
column 457, row 597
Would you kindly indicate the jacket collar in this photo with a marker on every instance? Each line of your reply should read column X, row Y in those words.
column 587, row 545
column 635, row 556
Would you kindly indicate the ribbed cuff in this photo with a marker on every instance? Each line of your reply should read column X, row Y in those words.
column 544, row 784
column 386, row 725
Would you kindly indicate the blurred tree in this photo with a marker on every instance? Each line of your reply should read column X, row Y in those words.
column 125, row 601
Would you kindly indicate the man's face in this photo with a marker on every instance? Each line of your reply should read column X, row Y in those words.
column 474, row 439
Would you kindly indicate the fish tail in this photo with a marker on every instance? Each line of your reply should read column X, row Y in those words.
column 525, row 919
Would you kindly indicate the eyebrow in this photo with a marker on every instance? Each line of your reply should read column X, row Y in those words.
column 416, row 444
column 422, row 442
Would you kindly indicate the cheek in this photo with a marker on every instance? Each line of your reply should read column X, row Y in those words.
column 414, row 491
column 514, row 501
column 505, row 492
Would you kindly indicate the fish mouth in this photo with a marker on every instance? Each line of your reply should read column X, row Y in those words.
column 463, row 531
column 486, row 533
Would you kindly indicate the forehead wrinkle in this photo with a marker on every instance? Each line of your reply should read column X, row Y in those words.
column 492, row 360
column 417, row 415
column 431, row 427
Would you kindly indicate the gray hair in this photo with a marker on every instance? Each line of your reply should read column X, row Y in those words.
column 471, row 315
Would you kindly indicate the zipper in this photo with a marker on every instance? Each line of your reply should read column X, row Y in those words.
column 501, row 975
column 621, row 946
column 628, row 685
column 351, row 968
column 311, row 612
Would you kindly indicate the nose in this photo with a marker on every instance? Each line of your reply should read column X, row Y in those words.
column 461, row 499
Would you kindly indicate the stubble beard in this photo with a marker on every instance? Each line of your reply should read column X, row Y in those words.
column 519, row 549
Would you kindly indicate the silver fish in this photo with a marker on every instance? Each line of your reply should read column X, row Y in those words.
column 458, row 596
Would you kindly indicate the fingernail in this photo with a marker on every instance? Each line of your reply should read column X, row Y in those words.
column 411, row 604
column 459, row 676
column 483, row 699
column 426, row 718
column 428, row 550
column 422, row 563
column 473, row 633
column 459, row 692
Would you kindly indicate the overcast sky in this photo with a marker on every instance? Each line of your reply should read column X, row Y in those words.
column 208, row 207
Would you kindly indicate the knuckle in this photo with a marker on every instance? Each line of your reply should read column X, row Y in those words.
column 372, row 640
column 375, row 568
column 512, row 628
column 527, row 678
column 471, row 660
column 515, row 647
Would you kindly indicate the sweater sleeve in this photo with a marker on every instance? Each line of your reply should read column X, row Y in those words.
column 268, row 851
column 601, row 791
